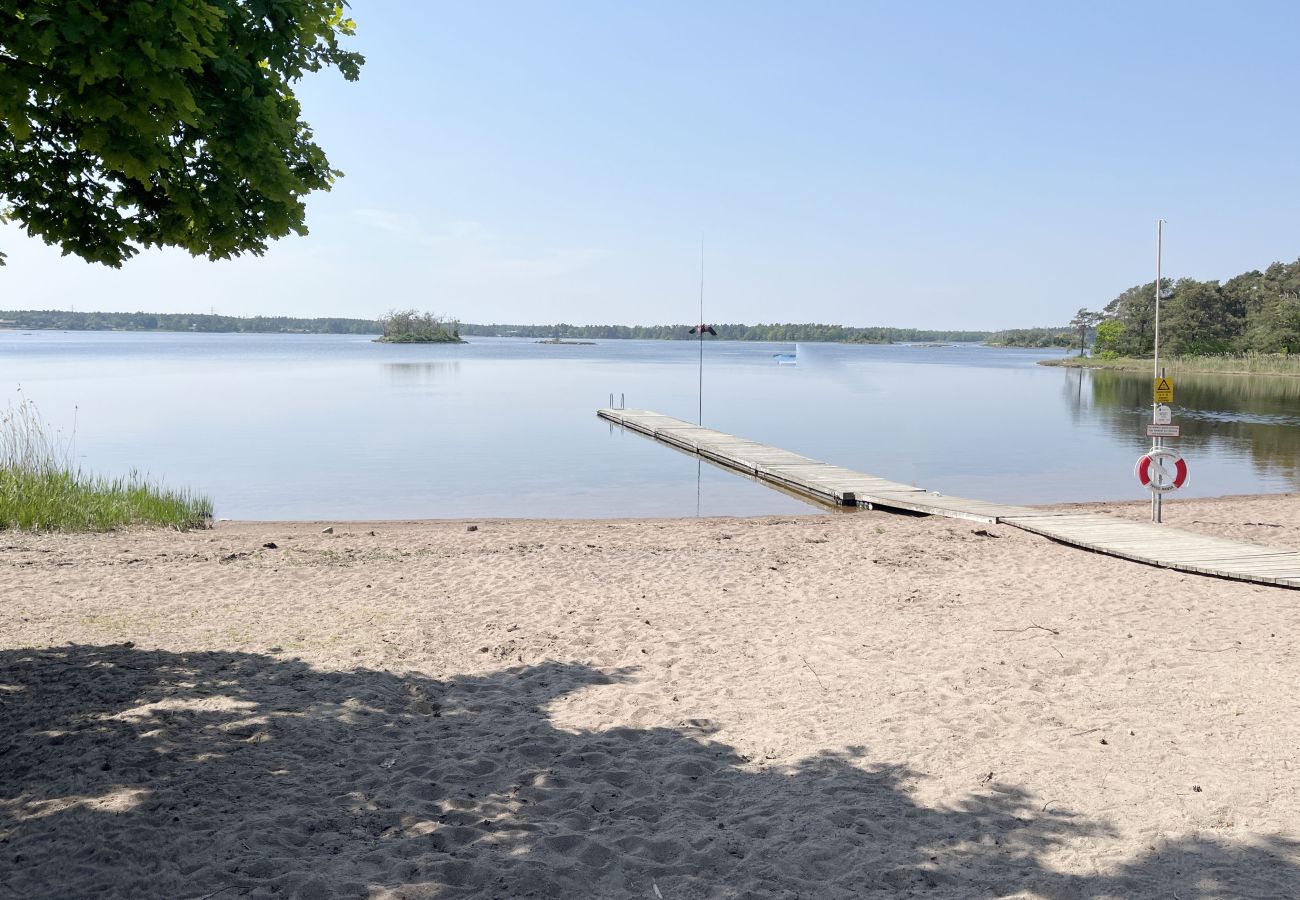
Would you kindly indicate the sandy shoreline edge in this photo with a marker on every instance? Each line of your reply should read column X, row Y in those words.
column 817, row 706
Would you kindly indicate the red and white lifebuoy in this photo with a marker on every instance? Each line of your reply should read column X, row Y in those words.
column 1165, row 460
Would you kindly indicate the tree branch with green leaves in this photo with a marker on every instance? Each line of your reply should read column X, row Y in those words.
column 163, row 123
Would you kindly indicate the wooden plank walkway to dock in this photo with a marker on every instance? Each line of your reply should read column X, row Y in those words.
column 1157, row 545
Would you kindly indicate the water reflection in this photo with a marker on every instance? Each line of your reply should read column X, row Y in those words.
column 422, row 373
column 1244, row 416
column 1072, row 391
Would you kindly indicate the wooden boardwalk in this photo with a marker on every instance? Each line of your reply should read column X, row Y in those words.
column 1156, row 545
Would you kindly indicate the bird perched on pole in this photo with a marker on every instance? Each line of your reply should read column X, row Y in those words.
column 702, row 329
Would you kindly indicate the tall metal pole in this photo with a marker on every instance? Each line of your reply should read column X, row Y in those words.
column 1157, row 442
column 1155, row 360
column 701, row 324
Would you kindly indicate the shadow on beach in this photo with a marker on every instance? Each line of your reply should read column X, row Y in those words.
column 138, row 773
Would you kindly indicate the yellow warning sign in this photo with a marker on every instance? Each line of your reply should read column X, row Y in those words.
column 1164, row 390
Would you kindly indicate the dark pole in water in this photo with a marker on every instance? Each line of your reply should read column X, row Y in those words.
column 701, row 409
column 699, row 463
column 1157, row 442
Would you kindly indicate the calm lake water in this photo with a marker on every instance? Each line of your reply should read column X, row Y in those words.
column 338, row 427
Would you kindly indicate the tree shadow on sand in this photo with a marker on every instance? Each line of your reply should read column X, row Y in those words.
column 150, row 774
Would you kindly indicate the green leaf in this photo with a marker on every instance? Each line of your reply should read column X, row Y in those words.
column 164, row 122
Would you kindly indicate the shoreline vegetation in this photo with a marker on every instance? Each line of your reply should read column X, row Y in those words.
column 1034, row 338
column 777, row 332
column 40, row 489
column 1225, row 364
column 1249, row 324
column 68, row 320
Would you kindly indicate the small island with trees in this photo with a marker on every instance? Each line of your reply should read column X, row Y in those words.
column 409, row 326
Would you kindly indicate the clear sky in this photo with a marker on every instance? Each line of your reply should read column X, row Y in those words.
column 910, row 164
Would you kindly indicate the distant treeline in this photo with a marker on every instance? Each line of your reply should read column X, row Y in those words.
column 1256, row 312
column 1034, row 337
column 729, row 332
column 64, row 320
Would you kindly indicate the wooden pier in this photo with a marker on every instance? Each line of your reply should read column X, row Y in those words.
column 1156, row 545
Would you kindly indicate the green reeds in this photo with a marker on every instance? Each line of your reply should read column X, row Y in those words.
column 40, row 490
column 1224, row 364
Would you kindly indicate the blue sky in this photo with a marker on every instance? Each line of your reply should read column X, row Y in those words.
column 930, row 165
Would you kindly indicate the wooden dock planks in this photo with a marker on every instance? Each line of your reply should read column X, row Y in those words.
column 1156, row 545
column 1160, row 545
column 809, row 477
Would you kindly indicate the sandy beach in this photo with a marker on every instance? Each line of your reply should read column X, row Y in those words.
column 839, row 706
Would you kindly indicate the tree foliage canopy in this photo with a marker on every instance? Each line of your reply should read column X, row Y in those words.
column 1253, row 312
column 162, row 122
column 1084, row 320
